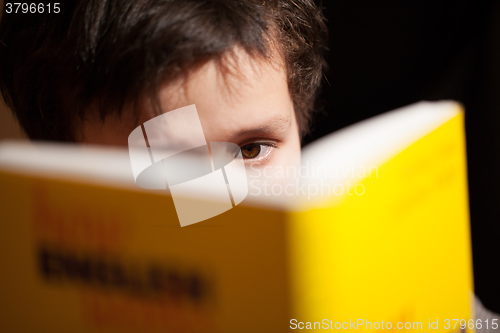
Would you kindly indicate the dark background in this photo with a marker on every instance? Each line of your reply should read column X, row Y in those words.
column 387, row 54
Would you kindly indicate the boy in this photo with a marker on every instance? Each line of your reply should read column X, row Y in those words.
column 97, row 69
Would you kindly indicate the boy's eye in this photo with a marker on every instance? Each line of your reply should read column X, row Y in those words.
column 256, row 150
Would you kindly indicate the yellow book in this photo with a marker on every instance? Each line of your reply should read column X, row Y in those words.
column 377, row 237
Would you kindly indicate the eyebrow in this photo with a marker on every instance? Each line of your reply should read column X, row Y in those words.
column 274, row 125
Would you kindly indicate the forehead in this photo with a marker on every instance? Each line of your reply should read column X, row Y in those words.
column 238, row 96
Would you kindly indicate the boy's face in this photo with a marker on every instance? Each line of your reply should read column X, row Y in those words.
column 250, row 107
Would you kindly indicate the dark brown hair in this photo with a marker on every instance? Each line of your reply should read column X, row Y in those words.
column 109, row 53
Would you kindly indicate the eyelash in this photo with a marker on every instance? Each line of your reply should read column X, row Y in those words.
column 269, row 148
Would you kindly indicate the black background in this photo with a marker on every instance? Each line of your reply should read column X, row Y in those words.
column 387, row 54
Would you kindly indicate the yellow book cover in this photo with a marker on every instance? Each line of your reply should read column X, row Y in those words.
column 375, row 237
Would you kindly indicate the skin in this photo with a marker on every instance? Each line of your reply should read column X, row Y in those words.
column 249, row 106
